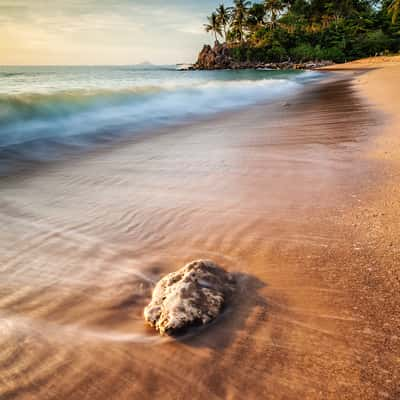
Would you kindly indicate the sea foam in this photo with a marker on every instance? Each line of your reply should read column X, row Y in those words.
column 40, row 108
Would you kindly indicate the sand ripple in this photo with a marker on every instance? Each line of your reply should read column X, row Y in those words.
column 83, row 242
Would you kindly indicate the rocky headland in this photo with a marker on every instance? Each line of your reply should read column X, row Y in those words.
column 220, row 57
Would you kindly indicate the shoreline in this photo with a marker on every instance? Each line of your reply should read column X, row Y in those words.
column 16, row 162
column 282, row 66
column 272, row 192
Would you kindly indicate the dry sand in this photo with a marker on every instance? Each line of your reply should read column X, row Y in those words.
column 374, row 276
column 300, row 198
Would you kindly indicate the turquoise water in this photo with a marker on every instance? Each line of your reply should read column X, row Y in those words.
column 41, row 107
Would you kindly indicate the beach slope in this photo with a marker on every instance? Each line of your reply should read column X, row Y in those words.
column 299, row 199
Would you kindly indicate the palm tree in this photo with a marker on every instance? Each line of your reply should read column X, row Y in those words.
column 239, row 16
column 274, row 8
column 224, row 17
column 213, row 25
column 256, row 16
column 394, row 10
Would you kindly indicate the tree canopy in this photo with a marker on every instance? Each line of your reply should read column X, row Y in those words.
column 304, row 30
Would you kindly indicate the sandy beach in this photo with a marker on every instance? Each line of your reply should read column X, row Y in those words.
column 299, row 197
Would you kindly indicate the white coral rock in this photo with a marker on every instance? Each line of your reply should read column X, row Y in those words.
column 193, row 295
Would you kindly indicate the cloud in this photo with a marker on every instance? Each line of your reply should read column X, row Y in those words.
column 102, row 31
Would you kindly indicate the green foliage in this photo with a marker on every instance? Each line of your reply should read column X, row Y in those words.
column 213, row 25
column 223, row 15
column 239, row 53
column 276, row 54
column 333, row 54
column 373, row 43
column 303, row 52
column 308, row 30
column 256, row 14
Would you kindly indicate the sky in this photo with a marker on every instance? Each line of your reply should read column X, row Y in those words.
column 90, row 32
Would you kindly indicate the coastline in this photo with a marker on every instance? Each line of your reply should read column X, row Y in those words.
column 272, row 192
column 219, row 57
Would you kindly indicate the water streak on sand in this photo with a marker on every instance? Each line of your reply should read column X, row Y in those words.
column 84, row 241
column 70, row 334
column 48, row 113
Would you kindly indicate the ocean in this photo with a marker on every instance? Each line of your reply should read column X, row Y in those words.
column 47, row 110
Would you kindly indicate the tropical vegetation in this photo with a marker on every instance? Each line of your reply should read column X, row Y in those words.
column 304, row 30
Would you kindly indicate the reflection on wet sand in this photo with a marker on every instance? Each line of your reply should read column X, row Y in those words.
column 82, row 243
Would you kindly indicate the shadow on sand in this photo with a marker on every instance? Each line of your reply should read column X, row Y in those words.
column 244, row 305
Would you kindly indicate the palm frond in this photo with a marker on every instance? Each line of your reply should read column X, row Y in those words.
column 394, row 10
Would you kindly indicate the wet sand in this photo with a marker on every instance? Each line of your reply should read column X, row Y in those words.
column 271, row 193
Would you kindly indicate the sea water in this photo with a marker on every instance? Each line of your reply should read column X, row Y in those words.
column 43, row 109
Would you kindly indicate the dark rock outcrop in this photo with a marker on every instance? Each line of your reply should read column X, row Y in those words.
column 214, row 58
column 193, row 295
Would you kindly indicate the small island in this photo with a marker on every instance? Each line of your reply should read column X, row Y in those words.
column 299, row 34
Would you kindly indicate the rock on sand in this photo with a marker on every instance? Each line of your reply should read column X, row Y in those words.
column 193, row 295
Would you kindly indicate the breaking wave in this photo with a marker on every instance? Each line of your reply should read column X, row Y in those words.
column 33, row 123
